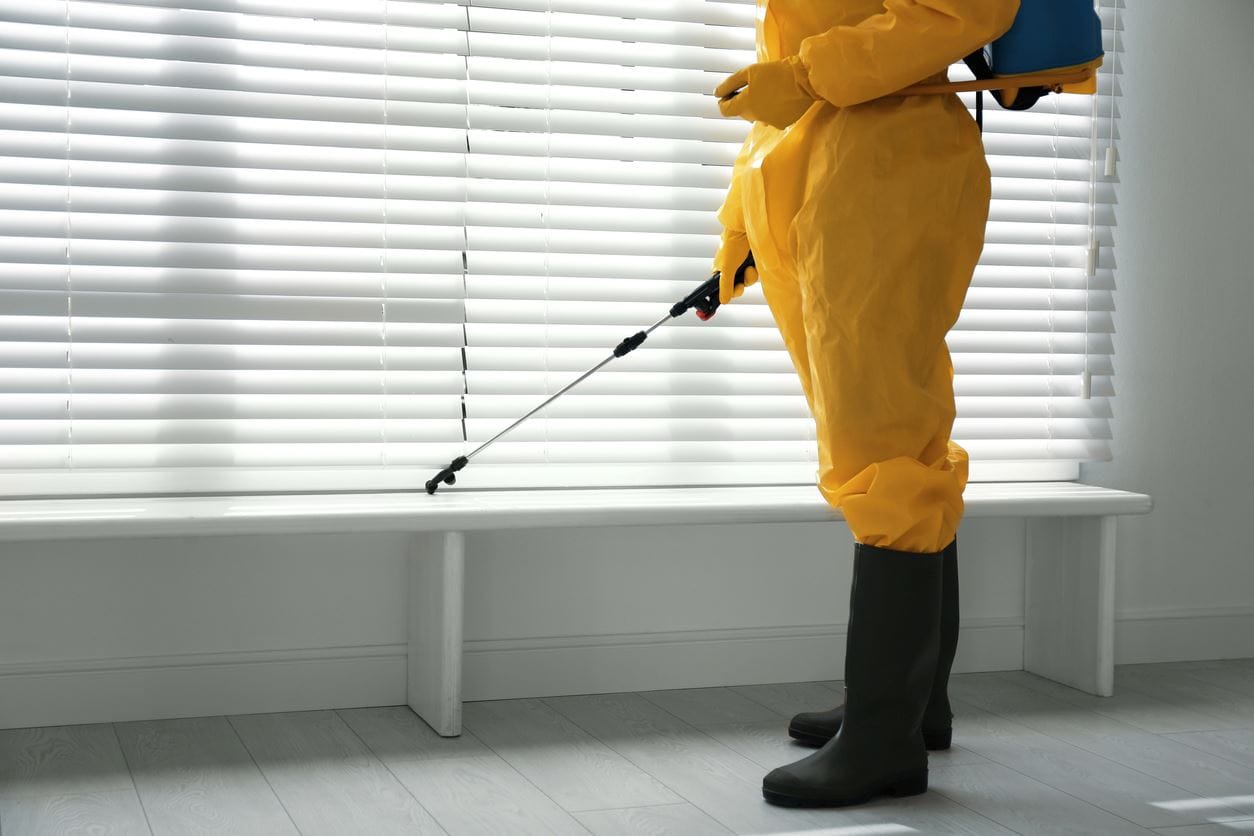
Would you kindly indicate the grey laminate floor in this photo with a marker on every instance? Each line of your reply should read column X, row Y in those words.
column 1173, row 753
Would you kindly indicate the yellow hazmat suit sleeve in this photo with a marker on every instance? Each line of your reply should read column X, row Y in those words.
column 733, row 252
column 909, row 41
column 732, row 213
column 774, row 92
column 734, row 244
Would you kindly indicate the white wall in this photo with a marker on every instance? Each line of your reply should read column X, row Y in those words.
column 1185, row 338
column 148, row 628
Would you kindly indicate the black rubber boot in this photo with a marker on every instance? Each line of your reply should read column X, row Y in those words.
column 814, row 728
column 890, row 659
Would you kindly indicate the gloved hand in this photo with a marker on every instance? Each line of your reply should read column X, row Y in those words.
column 732, row 254
column 774, row 92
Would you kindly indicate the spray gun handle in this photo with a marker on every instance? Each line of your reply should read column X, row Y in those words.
column 705, row 297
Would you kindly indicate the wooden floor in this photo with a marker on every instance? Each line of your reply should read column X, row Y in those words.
column 1173, row 753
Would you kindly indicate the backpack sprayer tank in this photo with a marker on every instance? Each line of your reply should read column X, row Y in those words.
column 1054, row 46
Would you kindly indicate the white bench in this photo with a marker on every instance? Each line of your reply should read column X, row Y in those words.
column 1070, row 572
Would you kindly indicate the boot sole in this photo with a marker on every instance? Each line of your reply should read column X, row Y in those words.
column 934, row 740
column 912, row 783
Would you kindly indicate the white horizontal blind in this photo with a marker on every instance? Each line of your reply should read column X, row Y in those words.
column 254, row 244
column 232, row 242
column 616, row 159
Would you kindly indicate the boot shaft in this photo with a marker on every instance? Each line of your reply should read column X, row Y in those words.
column 894, row 639
column 939, row 715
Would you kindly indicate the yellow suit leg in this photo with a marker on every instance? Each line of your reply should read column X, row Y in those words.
column 866, row 217
column 883, row 248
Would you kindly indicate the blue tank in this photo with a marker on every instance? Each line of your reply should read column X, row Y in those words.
column 1048, row 35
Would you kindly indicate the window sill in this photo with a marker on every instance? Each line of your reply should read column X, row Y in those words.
column 59, row 519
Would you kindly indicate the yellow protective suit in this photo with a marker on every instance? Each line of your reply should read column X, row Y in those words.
column 866, row 219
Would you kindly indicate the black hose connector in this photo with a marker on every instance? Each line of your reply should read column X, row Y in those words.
column 630, row 344
column 446, row 476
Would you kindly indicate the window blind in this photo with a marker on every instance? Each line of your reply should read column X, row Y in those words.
column 259, row 245
column 232, row 242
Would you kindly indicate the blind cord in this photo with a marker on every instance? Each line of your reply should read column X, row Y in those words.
column 1093, row 261
column 1093, row 254
column 466, row 235
column 1112, row 158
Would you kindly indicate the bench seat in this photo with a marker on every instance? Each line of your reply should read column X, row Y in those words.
column 1070, row 571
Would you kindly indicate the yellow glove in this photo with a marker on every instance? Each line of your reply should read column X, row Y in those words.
column 732, row 254
column 775, row 92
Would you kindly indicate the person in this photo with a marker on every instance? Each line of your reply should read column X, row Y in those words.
column 863, row 213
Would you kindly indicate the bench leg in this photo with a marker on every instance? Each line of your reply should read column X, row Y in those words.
column 436, row 585
column 1069, row 611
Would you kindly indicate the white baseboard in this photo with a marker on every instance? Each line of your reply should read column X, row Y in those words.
column 114, row 690
column 191, row 685
column 156, row 687
column 496, row 670
column 1182, row 635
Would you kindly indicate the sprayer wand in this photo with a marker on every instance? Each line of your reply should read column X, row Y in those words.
column 704, row 299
